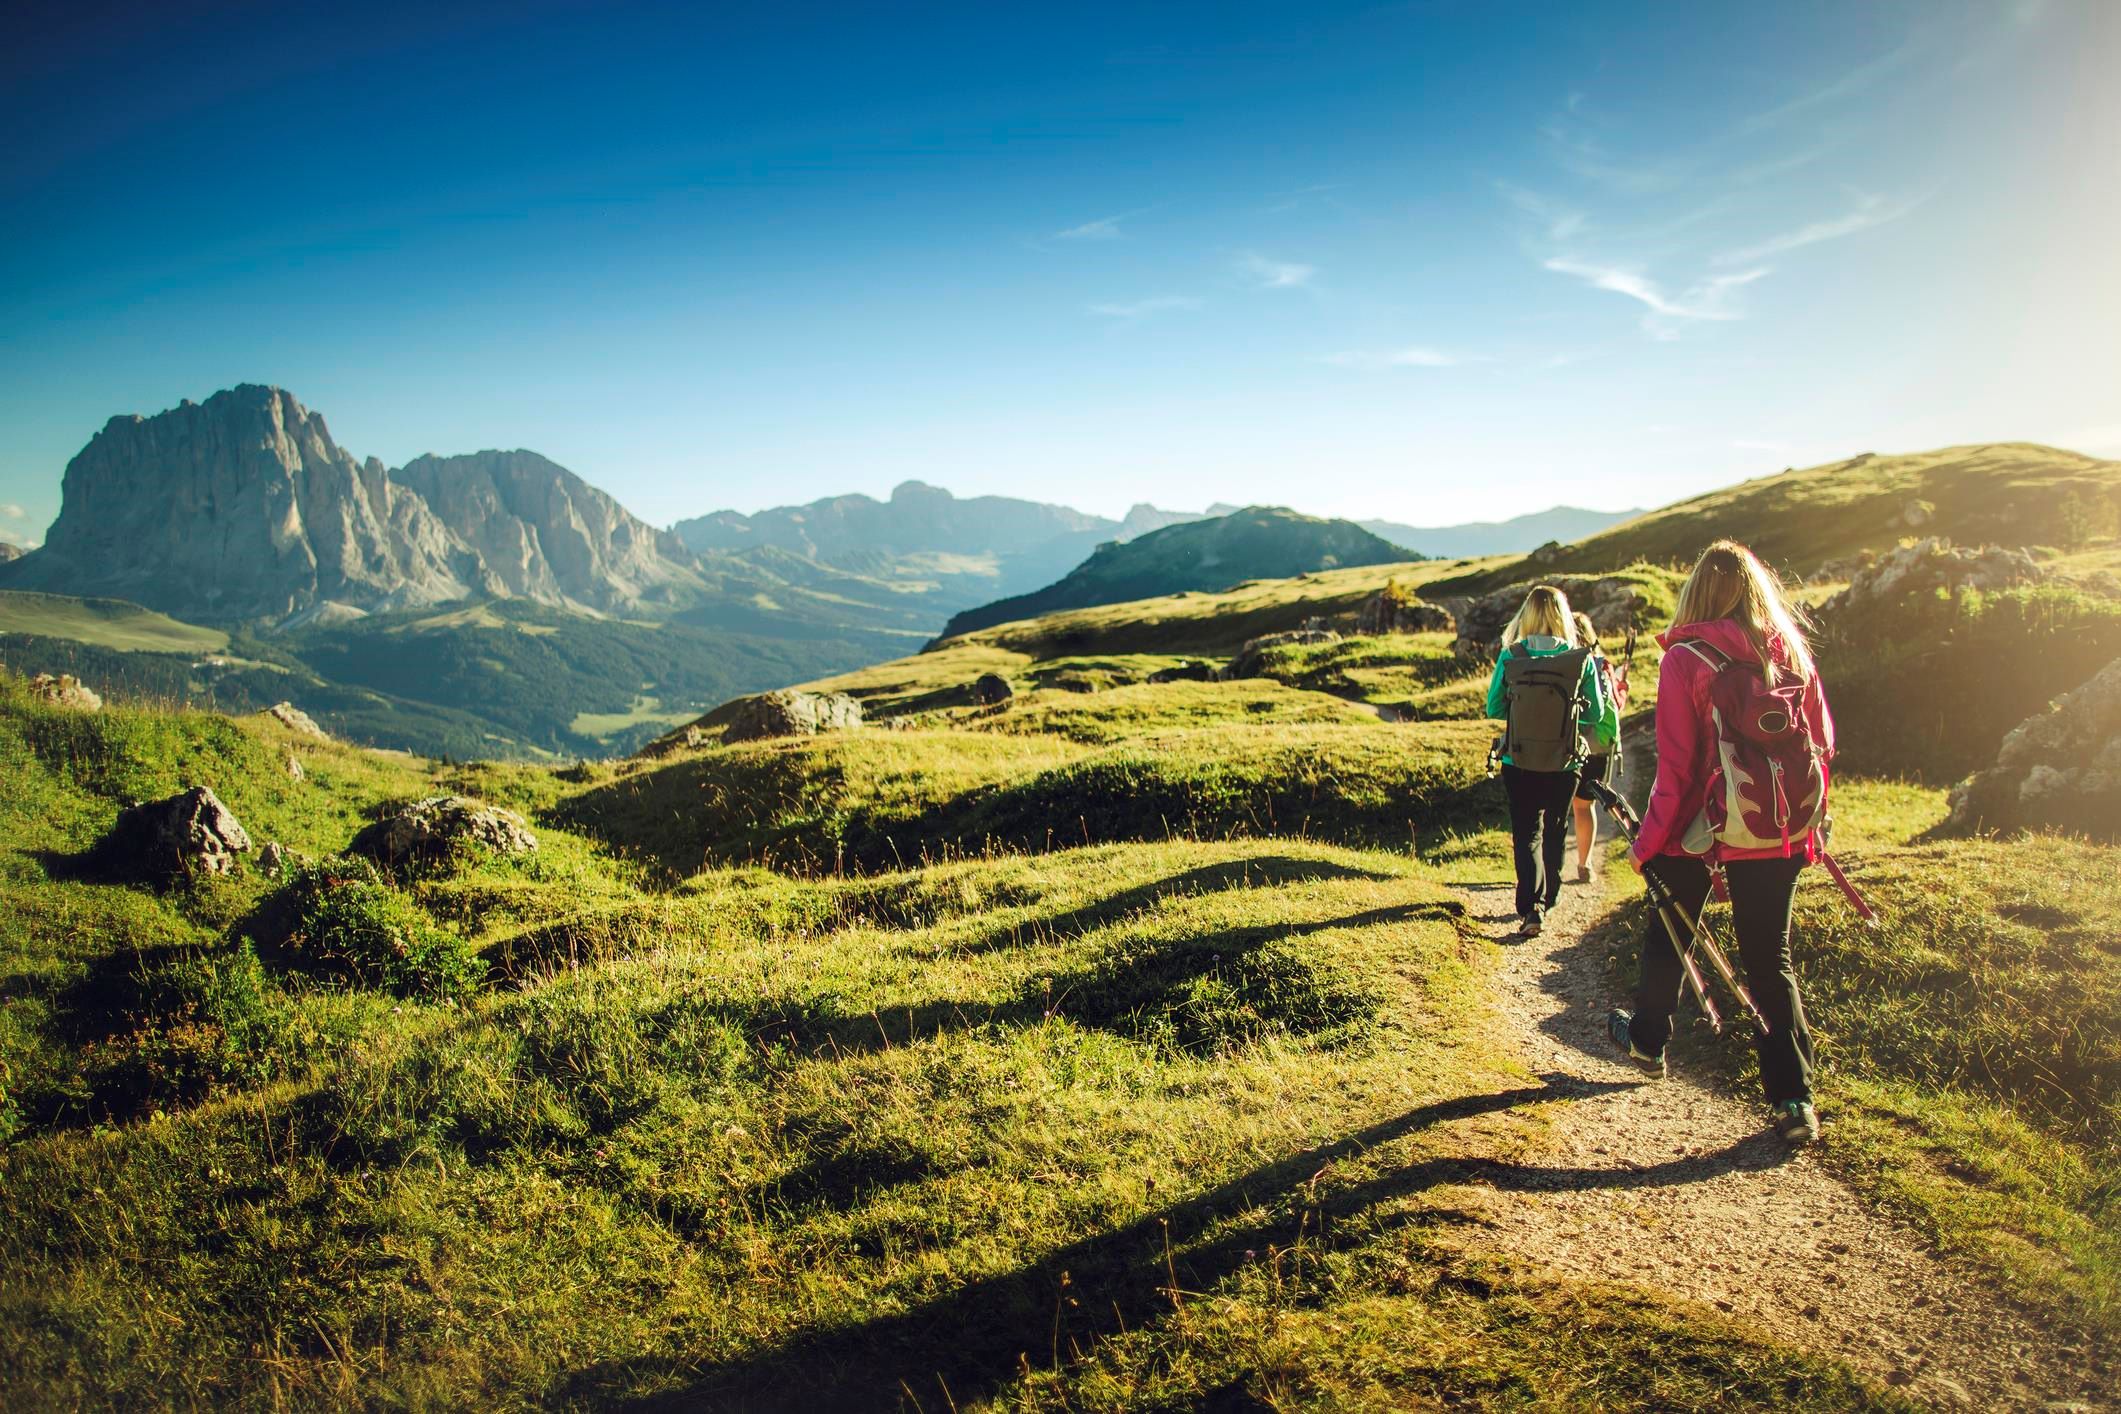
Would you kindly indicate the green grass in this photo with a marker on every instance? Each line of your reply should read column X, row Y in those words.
column 949, row 1127
column 1122, row 713
column 107, row 623
column 645, row 712
column 872, row 801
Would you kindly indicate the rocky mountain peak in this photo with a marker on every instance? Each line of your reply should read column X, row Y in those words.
column 243, row 508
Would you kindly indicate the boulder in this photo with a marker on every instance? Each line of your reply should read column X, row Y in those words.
column 2060, row 769
column 1547, row 554
column 429, row 830
column 1387, row 612
column 1252, row 655
column 191, row 832
column 992, row 689
column 1614, row 605
column 1192, row 670
column 296, row 720
column 1927, row 566
column 65, row 690
column 791, row 713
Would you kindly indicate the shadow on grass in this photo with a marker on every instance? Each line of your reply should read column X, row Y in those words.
column 1272, row 871
column 973, row 1340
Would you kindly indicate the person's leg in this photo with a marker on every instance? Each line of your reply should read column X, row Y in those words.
column 1524, row 824
column 1560, row 789
column 1761, row 893
column 1661, row 980
column 1586, row 836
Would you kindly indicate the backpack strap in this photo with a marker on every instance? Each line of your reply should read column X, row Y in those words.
column 1715, row 659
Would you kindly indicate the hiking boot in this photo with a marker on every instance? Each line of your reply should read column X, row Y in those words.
column 1797, row 1122
column 1616, row 1027
column 1529, row 925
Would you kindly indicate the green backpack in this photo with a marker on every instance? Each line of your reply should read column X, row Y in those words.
column 1543, row 702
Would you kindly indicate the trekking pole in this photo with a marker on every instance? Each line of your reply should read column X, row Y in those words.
column 1694, row 932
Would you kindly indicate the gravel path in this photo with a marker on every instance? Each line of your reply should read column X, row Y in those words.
column 1675, row 1187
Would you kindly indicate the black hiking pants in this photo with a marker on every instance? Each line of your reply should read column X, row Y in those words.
column 1761, row 893
column 1539, row 832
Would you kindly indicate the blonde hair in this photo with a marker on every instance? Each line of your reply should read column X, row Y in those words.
column 1545, row 610
column 1586, row 631
column 1729, row 582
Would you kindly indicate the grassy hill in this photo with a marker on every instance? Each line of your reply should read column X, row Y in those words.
column 2013, row 493
column 106, row 623
column 1203, row 555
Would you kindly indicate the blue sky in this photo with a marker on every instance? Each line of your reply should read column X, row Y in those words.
column 1426, row 261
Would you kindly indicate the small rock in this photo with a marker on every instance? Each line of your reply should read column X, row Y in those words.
column 434, row 828
column 275, row 858
column 191, row 832
column 296, row 720
column 992, row 689
column 1942, row 1389
column 791, row 713
column 65, row 690
column 294, row 768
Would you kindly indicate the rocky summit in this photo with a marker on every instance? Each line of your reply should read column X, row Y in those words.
column 242, row 508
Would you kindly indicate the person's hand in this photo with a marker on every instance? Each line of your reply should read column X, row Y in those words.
column 1634, row 863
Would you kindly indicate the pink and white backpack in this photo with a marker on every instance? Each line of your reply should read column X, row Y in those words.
column 1768, row 783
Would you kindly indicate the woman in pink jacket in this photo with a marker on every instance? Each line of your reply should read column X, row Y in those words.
column 1732, row 617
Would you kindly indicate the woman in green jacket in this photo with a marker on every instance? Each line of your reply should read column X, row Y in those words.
column 1539, row 799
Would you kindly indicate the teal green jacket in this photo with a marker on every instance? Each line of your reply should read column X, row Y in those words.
column 1600, row 723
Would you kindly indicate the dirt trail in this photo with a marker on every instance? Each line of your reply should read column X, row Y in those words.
column 1679, row 1188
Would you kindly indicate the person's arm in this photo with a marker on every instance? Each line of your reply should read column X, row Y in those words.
column 1680, row 758
column 1496, row 706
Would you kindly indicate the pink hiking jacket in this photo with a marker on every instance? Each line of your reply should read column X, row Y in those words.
column 1686, row 742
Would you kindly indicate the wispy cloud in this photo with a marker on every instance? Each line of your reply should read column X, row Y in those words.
column 10, row 511
column 1593, row 161
column 1144, row 308
column 1276, row 274
column 1392, row 358
column 1856, row 81
column 1869, row 211
column 1708, row 299
column 1104, row 228
column 1559, row 223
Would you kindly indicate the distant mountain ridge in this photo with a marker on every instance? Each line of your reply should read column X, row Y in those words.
column 974, row 548
column 1259, row 542
column 1499, row 537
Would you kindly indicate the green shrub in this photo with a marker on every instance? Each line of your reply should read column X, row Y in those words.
column 200, row 1023
column 1928, row 685
column 338, row 918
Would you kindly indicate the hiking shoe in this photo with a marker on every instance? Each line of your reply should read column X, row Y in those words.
column 1616, row 1027
column 1797, row 1122
column 1583, row 873
column 1529, row 925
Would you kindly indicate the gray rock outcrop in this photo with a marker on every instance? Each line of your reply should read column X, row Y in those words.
column 1387, row 612
column 1613, row 604
column 1933, row 564
column 191, row 832
column 791, row 713
column 10, row 552
column 65, row 690
column 296, row 720
column 2060, row 769
column 430, row 830
column 992, row 689
column 1251, row 657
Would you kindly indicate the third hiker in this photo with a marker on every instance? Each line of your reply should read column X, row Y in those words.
column 1549, row 694
column 1603, row 763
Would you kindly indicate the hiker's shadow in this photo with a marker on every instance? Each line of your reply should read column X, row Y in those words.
column 963, row 1346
